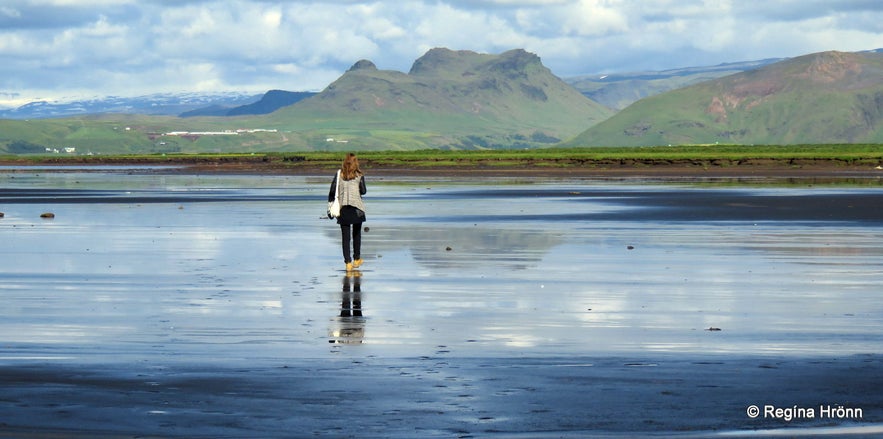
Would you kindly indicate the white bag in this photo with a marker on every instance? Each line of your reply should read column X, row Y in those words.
column 334, row 206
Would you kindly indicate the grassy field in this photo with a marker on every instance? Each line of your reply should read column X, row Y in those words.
column 718, row 155
column 693, row 156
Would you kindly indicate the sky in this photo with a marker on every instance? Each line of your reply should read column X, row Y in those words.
column 62, row 50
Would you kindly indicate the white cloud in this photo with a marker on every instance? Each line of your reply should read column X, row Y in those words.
column 272, row 18
column 10, row 12
column 288, row 69
column 593, row 17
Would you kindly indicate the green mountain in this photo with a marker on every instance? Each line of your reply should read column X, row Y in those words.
column 449, row 99
column 828, row 97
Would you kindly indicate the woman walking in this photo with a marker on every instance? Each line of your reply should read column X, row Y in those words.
column 349, row 191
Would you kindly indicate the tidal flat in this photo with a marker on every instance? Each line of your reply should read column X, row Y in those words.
column 188, row 305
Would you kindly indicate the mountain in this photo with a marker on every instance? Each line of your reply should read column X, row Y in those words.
column 167, row 104
column 827, row 97
column 467, row 100
column 619, row 90
column 451, row 99
column 270, row 102
column 448, row 99
column 615, row 90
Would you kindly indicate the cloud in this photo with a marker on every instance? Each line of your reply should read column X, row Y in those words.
column 55, row 48
column 799, row 10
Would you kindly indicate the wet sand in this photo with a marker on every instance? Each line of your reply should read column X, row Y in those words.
column 442, row 395
column 215, row 306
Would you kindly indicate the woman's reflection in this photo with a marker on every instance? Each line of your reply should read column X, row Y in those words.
column 351, row 323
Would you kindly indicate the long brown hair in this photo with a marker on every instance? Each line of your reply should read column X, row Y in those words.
column 350, row 168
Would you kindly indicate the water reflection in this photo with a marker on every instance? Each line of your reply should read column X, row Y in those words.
column 553, row 267
column 350, row 324
column 462, row 248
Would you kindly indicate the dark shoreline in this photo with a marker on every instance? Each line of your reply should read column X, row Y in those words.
column 613, row 168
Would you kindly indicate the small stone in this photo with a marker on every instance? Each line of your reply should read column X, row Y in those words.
column 367, row 228
column 47, row 215
column 713, row 329
column 631, row 247
column 448, row 248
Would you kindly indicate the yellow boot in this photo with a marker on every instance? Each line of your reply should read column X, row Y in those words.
column 349, row 267
column 357, row 263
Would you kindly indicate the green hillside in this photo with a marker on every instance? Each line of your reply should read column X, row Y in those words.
column 449, row 100
column 829, row 97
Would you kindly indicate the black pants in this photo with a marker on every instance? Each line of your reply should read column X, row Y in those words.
column 351, row 306
column 353, row 232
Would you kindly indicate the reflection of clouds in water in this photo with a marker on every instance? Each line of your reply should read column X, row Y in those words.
column 60, row 333
column 842, row 246
column 477, row 248
column 200, row 242
column 552, row 275
column 216, row 306
column 518, row 340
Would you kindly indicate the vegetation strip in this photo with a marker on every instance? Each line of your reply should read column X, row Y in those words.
column 705, row 156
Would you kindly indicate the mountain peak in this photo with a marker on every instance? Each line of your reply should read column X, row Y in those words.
column 362, row 64
column 519, row 58
column 495, row 99
column 440, row 58
column 832, row 66
column 512, row 63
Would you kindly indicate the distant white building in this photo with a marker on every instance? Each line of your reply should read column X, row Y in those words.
column 219, row 133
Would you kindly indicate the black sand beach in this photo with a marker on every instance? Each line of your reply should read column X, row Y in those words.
column 446, row 396
column 210, row 306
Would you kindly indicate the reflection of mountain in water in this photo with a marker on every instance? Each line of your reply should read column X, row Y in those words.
column 460, row 247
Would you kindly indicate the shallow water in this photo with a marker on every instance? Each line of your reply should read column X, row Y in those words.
column 146, row 267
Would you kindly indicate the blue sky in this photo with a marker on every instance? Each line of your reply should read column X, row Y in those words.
column 71, row 49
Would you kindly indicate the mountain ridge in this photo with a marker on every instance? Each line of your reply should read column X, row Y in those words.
column 615, row 90
column 467, row 100
column 825, row 97
column 619, row 90
column 457, row 99
column 159, row 104
column 268, row 103
column 448, row 100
